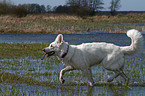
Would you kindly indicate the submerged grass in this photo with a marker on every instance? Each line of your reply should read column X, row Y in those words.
column 46, row 23
column 25, row 59
column 13, row 78
column 17, row 69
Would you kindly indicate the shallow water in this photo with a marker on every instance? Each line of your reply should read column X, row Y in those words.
column 48, row 69
column 26, row 90
column 119, row 39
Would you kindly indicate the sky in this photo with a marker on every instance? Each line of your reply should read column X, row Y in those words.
column 126, row 5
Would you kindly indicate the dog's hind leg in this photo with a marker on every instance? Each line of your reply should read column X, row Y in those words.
column 117, row 73
column 124, row 76
column 66, row 69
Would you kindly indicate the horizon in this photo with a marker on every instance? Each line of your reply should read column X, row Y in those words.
column 126, row 5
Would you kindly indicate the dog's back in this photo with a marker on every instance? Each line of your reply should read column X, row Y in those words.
column 109, row 55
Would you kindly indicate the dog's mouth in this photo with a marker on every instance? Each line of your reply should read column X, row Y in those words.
column 50, row 53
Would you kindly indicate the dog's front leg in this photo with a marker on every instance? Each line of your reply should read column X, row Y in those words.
column 88, row 73
column 66, row 69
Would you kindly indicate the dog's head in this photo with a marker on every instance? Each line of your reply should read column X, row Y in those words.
column 56, row 47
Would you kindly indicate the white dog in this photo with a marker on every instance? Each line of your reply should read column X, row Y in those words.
column 82, row 57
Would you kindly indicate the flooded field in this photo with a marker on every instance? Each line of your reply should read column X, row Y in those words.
column 27, row 74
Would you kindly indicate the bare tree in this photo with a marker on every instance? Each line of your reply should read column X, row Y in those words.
column 95, row 5
column 85, row 7
column 49, row 8
column 115, row 5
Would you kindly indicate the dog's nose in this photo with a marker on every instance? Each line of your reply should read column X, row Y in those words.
column 43, row 49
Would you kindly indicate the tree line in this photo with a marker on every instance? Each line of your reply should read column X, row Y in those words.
column 72, row 7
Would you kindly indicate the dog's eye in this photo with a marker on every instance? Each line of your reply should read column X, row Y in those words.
column 51, row 46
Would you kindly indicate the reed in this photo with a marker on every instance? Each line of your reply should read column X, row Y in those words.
column 53, row 23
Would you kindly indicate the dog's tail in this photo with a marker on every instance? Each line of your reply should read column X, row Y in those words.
column 136, row 43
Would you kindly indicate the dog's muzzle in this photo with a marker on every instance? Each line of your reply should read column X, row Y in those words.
column 49, row 53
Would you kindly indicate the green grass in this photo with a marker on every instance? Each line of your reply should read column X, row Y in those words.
column 16, row 57
column 20, row 64
column 17, row 50
column 16, row 79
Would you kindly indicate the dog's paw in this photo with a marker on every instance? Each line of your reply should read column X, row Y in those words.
column 109, row 80
column 62, row 81
column 91, row 84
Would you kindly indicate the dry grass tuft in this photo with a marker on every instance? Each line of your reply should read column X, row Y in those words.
column 54, row 23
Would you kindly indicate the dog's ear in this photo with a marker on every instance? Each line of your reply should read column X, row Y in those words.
column 59, row 38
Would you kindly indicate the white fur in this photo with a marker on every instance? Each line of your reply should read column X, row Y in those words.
column 82, row 57
column 136, row 44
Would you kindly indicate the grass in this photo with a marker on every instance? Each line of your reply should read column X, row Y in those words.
column 20, row 64
column 19, row 57
column 20, row 50
column 23, row 56
column 46, row 23
column 13, row 78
